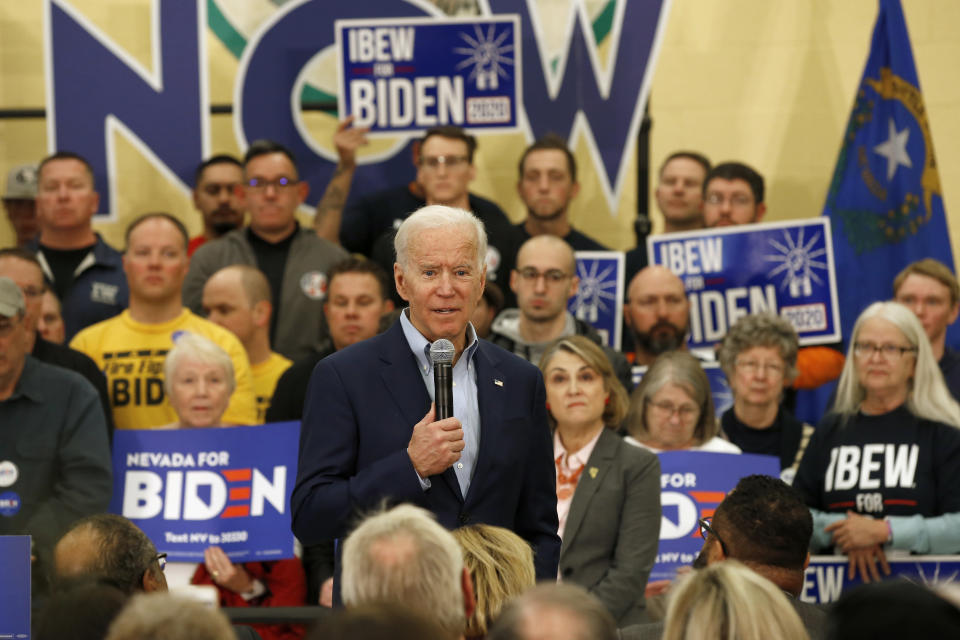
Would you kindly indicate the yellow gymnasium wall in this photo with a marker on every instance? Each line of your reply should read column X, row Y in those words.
column 767, row 82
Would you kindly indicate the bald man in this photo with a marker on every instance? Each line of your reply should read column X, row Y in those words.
column 545, row 278
column 657, row 313
column 238, row 299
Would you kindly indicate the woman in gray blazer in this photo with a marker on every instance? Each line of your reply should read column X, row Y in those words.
column 608, row 492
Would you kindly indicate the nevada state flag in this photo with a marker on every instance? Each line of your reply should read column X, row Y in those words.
column 885, row 200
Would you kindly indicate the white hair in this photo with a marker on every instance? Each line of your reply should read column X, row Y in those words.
column 404, row 555
column 192, row 346
column 928, row 396
column 161, row 616
column 728, row 600
column 438, row 216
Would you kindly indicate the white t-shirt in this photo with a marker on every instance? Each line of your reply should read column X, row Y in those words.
column 714, row 445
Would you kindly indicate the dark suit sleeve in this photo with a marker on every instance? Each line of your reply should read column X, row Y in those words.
column 622, row 585
column 331, row 488
column 536, row 517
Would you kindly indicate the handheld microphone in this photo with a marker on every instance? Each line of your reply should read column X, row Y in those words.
column 441, row 355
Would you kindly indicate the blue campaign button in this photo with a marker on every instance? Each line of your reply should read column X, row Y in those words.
column 9, row 504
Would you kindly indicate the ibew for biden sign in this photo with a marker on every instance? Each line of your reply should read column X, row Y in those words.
column 412, row 74
column 191, row 488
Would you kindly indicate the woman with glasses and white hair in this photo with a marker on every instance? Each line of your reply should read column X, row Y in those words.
column 882, row 471
column 608, row 493
column 199, row 380
column 759, row 357
column 672, row 408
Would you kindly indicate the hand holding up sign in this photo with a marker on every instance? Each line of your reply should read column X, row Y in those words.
column 226, row 574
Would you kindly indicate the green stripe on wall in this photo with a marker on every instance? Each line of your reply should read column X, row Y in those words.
column 232, row 39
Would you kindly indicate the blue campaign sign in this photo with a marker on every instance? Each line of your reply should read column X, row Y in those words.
column 410, row 74
column 826, row 577
column 189, row 489
column 719, row 387
column 692, row 484
column 599, row 297
column 783, row 267
column 15, row 587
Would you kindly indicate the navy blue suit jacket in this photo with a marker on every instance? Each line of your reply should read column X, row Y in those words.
column 361, row 407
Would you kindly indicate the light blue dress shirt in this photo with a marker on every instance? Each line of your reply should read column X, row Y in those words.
column 465, row 406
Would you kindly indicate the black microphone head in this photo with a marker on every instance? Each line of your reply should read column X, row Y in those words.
column 442, row 351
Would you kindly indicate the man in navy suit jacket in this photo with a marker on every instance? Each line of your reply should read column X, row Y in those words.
column 369, row 430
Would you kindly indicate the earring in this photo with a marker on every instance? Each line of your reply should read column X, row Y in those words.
column 548, row 406
column 607, row 400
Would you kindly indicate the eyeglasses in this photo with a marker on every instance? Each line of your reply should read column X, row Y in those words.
column 707, row 530
column 261, row 184
column 553, row 276
column 161, row 560
column 736, row 200
column 433, row 162
column 888, row 351
column 666, row 409
column 751, row 367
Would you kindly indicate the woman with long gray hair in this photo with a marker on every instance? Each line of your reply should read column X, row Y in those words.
column 882, row 471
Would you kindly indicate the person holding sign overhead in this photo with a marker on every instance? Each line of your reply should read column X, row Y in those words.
column 199, row 380
column 672, row 408
column 883, row 470
column 608, row 493
column 759, row 357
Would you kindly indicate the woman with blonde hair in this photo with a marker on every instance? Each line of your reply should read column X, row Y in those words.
column 608, row 492
column 883, row 469
column 501, row 567
column 728, row 600
column 672, row 408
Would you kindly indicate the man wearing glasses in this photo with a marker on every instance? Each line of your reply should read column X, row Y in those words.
column 732, row 195
column 545, row 278
column 294, row 260
column 764, row 524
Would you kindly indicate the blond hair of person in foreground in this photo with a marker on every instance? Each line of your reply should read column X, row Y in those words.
column 161, row 616
column 728, row 600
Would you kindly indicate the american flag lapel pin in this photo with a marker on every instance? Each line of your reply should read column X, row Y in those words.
column 498, row 382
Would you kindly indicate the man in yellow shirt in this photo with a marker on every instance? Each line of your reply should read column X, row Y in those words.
column 130, row 348
column 238, row 299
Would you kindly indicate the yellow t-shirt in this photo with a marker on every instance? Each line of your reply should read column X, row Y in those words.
column 265, row 376
column 131, row 356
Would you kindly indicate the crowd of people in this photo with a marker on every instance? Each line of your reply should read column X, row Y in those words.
column 547, row 470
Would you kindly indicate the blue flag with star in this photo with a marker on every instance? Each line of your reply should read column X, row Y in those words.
column 885, row 201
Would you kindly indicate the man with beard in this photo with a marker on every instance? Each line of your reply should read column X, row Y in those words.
column 218, row 197
column 547, row 185
column 657, row 312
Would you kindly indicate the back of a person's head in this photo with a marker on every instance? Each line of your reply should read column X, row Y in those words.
column 501, row 567
column 404, row 555
column 728, row 600
column 557, row 611
column 161, row 616
column 108, row 548
column 83, row 610
column 895, row 609
column 381, row 621
column 765, row 521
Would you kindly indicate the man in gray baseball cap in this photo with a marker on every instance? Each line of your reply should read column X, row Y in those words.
column 54, row 455
column 19, row 201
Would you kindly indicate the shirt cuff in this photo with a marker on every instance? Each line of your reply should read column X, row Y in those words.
column 424, row 482
column 257, row 590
